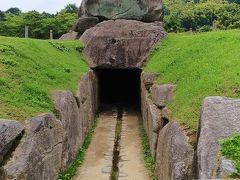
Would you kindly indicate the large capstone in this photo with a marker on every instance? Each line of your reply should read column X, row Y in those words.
column 141, row 10
column 120, row 43
column 220, row 118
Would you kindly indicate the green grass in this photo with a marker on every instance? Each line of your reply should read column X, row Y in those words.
column 230, row 148
column 206, row 64
column 30, row 70
column 72, row 170
column 148, row 158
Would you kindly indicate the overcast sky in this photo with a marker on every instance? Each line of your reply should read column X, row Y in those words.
column 50, row 6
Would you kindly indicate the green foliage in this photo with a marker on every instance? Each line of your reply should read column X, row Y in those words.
column 12, row 26
column 234, row 1
column 8, row 62
column 30, row 70
column 14, row 10
column 230, row 148
column 202, row 16
column 2, row 16
column 71, row 8
column 202, row 64
column 13, row 22
column 59, row 46
column 72, row 170
column 148, row 158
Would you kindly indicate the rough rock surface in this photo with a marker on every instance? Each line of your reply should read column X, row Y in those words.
column 148, row 79
column 166, row 113
column 120, row 43
column 51, row 145
column 9, row 131
column 141, row 10
column 155, row 124
column 72, row 35
column 144, row 105
column 220, row 117
column 161, row 94
column 87, row 97
column 226, row 168
column 151, row 115
column 39, row 154
column 84, row 23
column 174, row 156
column 67, row 107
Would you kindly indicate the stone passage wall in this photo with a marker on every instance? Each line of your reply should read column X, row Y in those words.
column 220, row 118
column 168, row 142
column 175, row 157
column 50, row 145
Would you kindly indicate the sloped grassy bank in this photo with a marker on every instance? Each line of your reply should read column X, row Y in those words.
column 204, row 64
column 31, row 69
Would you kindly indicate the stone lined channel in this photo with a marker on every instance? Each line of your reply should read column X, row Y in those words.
column 131, row 163
column 116, row 149
column 98, row 159
column 115, row 152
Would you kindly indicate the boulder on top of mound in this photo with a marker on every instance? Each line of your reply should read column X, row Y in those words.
column 141, row 10
column 220, row 118
column 121, row 43
column 72, row 35
column 84, row 23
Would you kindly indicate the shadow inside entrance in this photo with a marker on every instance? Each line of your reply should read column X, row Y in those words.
column 119, row 87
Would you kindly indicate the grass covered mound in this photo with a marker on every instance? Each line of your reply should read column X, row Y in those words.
column 31, row 69
column 206, row 64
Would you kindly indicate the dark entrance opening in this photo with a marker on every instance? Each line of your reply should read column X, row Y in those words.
column 119, row 87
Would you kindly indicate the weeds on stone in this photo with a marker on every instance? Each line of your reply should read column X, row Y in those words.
column 72, row 170
column 230, row 148
column 148, row 158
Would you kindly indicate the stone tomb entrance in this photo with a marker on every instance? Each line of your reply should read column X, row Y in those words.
column 116, row 146
column 119, row 86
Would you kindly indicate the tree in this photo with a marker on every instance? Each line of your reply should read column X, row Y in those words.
column 14, row 10
column 2, row 16
column 39, row 24
column 34, row 20
column 63, row 22
column 47, row 15
column 206, row 15
column 71, row 8
column 12, row 26
column 234, row 1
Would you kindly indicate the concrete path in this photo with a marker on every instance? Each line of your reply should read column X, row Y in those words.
column 131, row 165
column 98, row 159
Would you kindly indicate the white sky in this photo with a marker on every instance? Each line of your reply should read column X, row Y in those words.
column 50, row 6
